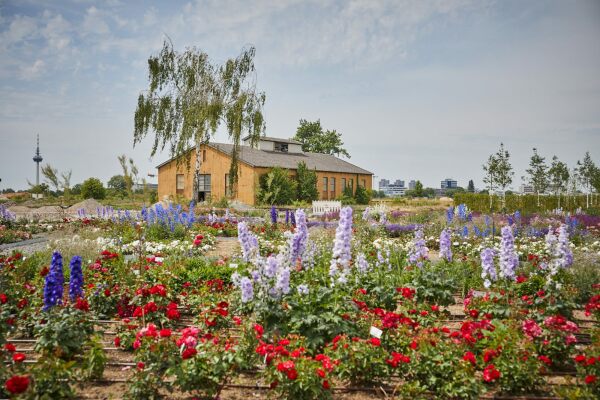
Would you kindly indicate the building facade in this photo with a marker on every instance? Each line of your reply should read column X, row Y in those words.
column 448, row 183
column 392, row 189
column 175, row 179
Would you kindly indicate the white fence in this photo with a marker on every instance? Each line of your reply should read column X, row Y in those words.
column 323, row 207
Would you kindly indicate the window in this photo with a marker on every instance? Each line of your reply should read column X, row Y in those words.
column 227, row 186
column 325, row 184
column 332, row 184
column 351, row 183
column 364, row 183
column 180, row 181
column 343, row 184
column 203, row 155
column 204, row 187
column 282, row 147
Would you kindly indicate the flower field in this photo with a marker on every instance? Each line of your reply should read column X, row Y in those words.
column 362, row 304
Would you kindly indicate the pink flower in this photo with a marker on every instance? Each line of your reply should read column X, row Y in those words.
column 531, row 328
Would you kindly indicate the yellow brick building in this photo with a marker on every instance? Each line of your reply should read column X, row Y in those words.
column 333, row 174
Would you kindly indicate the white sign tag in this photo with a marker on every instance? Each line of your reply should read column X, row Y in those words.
column 376, row 332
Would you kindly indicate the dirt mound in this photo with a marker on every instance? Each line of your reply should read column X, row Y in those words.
column 89, row 205
column 46, row 210
column 19, row 209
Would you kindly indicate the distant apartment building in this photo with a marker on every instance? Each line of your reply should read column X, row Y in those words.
column 526, row 189
column 448, row 183
column 412, row 185
column 392, row 189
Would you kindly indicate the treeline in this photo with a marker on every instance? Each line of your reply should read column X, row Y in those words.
column 528, row 204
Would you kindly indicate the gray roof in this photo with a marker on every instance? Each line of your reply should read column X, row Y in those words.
column 269, row 159
column 274, row 139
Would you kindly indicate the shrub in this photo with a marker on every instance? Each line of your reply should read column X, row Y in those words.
column 276, row 187
column 93, row 188
column 307, row 183
column 362, row 195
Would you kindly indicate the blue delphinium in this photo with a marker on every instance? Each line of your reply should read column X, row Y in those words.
column 293, row 219
column 302, row 289
column 450, row 214
column 465, row 231
column 283, row 281
column 76, row 280
column 271, row 267
column 247, row 290
column 273, row 215
column 53, row 287
column 508, row 256
column 287, row 217
column 445, row 245
column 461, row 210
column 488, row 270
column 564, row 247
column 361, row 263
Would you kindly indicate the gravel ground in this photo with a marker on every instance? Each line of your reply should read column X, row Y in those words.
column 26, row 246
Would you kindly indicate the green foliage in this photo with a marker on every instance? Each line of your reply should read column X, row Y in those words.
column 94, row 360
column 471, row 186
column 526, row 204
column 276, row 188
column 62, row 332
column 51, row 376
column 362, row 195
column 117, row 183
column 433, row 285
column 189, row 96
column 199, row 270
column 93, row 188
column 538, row 172
column 315, row 140
column 307, row 183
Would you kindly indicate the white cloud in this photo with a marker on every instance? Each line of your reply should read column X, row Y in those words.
column 33, row 71
column 93, row 22
column 56, row 31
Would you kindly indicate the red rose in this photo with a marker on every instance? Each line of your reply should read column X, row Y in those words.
column 17, row 384
column 326, row 385
column 490, row 373
column 259, row 330
column 470, row 357
column 590, row 379
column 375, row 342
column 18, row 357
column 3, row 298
column 11, row 347
column 165, row 333
column 140, row 365
column 44, row 271
column 292, row 374
column 117, row 341
column 545, row 359
column 580, row 358
column 189, row 353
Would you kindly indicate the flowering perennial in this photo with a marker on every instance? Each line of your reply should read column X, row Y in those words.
column 419, row 252
column 445, row 245
column 53, row 288
column 76, row 280
column 509, row 260
column 488, row 270
column 340, row 261
column 248, row 242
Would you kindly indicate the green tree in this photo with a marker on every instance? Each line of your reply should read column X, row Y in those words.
column 189, row 97
column 362, row 195
column 558, row 176
column 51, row 176
column 117, row 182
column 538, row 174
column 418, row 192
column 471, row 186
column 585, row 171
column 315, row 140
column 130, row 173
column 93, row 188
column 307, row 183
column 498, row 172
column 76, row 189
column 66, row 183
column 276, row 187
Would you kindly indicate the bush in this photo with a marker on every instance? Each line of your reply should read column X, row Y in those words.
column 276, row 187
column 362, row 195
column 526, row 204
column 307, row 183
column 93, row 188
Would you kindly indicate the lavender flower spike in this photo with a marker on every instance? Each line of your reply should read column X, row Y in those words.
column 273, row 215
column 342, row 243
column 564, row 248
column 445, row 245
column 419, row 252
column 300, row 237
column 488, row 270
column 509, row 261
column 248, row 242
column 76, row 280
column 247, row 290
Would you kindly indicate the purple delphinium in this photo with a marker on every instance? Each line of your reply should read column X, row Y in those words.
column 293, row 219
column 271, row 267
column 273, row 215
column 445, row 245
column 299, row 238
column 53, row 288
column 287, row 217
column 509, row 260
column 247, row 290
column 342, row 243
column 366, row 215
column 283, row 281
column 419, row 252
column 76, row 279
column 248, row 242
column 488, row 270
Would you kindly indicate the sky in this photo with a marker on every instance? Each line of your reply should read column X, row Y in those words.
column 419, row 89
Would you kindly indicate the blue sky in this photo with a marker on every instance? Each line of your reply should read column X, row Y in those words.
column 419, row 89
